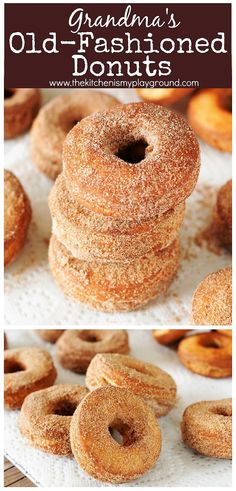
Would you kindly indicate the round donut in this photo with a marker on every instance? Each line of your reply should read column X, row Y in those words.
column 208, row 354
column 210, row 115
column 5, row 341
column 50, row 335
column 168, row 336
column 26, row 370
column 223, row 214
column 103, row 411
column 93, row 237
column 212, row 300
column 56, row 119
column 20, row 109
column 17, row 216
column 164, row 97
column 225, row 332
column 46, row 415
column 134, row 161
column 154, row 385
column 76, row 348
column 112, row 287
column 207, row 428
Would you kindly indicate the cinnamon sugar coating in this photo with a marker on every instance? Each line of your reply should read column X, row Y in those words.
column 26, row 370
column 93, row 237
column 164, row 97
column 212, row 300
column 76, row 348
column 209, row 354
column 207, row 428
column 210, row 115
column 50, row 335
column 17, row 216
column 134, row 161
column 114, row 287
column 46, row 415
column 102, row 411
column 56, row 119
column 223, row 214
column 168, row 336
column 154, row 385
column 20, row 109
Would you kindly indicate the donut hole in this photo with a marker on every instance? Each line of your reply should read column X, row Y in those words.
column 90, row 337
column 13, row 366
column 65, row 408
column 122, row 433
column 212, row 343
column 72, row 123
column 224, row 411
column 133, row 152
column 8, row 93
column 227, row 103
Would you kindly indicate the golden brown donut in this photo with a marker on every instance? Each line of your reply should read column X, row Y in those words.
column 112, row 287
column 20, row 108
column 76, row 348
column 90, row 236
column 223, row 214
column 164, row 97
column 210, row 115
column 50, row 335
column 207, row 428
column 134, row 161
column 5, row 341
column 103, row 411
column 225, row 332
column 212, row 300
column 26, row 370
column 56, row 119
column 208, row 354
column 168, row 336
column 46, row 415
column 17, row 216
column 154, row 385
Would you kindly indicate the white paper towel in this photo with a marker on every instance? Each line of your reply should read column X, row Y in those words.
column 177, row 466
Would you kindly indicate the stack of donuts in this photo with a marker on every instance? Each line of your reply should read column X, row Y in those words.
column 118, row 205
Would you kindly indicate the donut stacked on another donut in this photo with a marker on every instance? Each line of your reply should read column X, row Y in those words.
column 119, row 203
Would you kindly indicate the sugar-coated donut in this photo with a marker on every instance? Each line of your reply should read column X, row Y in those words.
column 164, row 97
column 208, row 354
column 56, row 119
column 223, row 214
column 90, row 236
column 107, row 409
column 46, row 415
column 114, row 287
column 134, row 161
column 212, row 300
column 20, row 109
column 50, row 335
column 17, row 216
column 154, row 385
column 76, row 348
column 168, row 336
column 26, row 370
column 207, row 428
column 210, row 115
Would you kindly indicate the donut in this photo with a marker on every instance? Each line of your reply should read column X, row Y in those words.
column 56, row 119
column 20, row 109
column 134, row 161
column 207, row 428
column 168, row 336
column 26, row 370
column 212, row 300
column 76, row 348
column 46, row 415
column 93, row 237
column 5, row 341
column 223, row 214
column 17, row 216
column 208, row 354
column 210, row 115
column 112, row 287
column 225, row 332
column 164, row 97
column 154, row 385
column 103, row 411
column 50, row 335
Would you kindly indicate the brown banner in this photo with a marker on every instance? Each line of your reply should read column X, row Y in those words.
column 117, row 45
